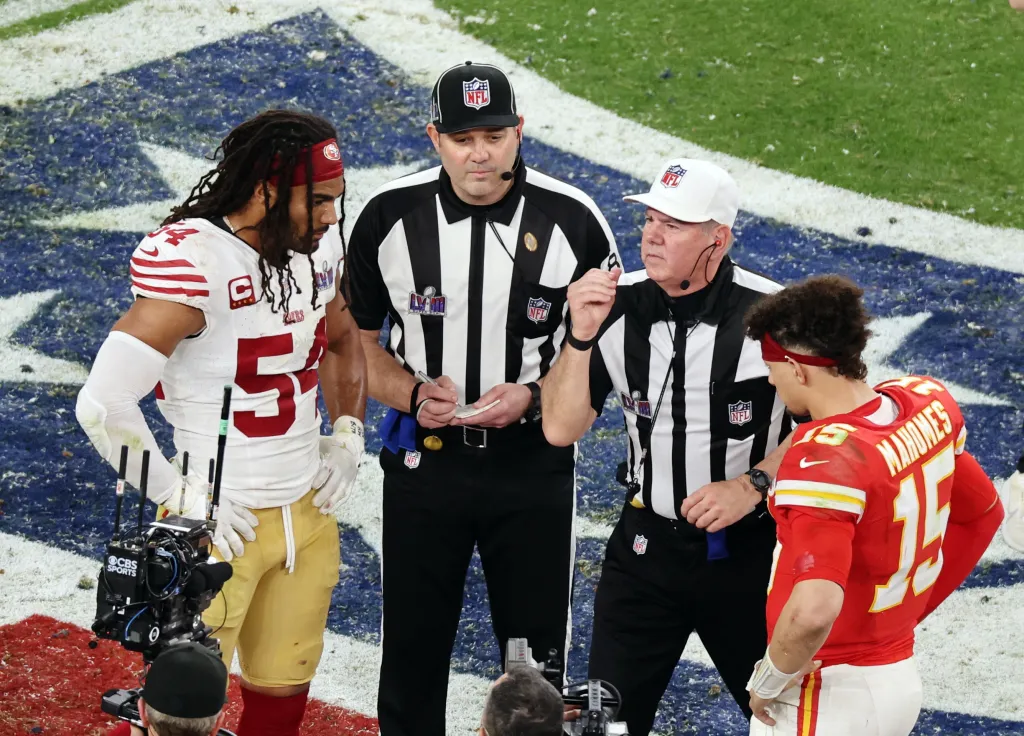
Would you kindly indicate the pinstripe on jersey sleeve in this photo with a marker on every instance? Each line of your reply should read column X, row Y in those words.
column 820, row 495
column 961, row 441
column 164, row 266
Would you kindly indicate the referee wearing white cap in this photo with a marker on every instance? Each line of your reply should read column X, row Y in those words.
column 693, row 546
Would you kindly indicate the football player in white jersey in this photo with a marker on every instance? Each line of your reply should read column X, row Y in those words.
column 1013, row 497
column 241, row 286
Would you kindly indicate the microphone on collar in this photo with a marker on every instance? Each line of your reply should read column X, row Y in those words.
column 685, row 283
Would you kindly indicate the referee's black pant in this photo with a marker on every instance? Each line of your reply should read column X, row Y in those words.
column 514, row 500
column 648, row 604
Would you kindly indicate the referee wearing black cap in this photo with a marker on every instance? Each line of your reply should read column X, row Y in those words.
column 184, row 693
column 469, row 263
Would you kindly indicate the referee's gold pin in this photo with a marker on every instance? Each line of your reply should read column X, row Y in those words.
column 530, row 241
column 433, row 442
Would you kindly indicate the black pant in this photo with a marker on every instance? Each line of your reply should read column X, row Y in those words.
column 515, row 501
column 648, row 604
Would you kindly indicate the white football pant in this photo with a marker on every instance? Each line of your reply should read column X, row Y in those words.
column 843, row 700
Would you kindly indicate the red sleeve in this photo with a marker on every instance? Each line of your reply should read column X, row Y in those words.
column 973, row 493
column 820, row 544
column 975, row 514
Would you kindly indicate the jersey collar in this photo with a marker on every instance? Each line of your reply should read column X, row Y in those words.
column 500, row 212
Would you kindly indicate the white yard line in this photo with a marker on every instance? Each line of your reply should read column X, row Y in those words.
column 18, row 10
column 422, row 41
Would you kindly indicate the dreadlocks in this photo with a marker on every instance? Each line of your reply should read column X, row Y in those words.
column 267, row 146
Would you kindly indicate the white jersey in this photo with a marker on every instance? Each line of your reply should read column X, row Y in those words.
column 269, row 358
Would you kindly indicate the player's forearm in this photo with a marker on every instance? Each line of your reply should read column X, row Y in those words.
column 343, row 377
column 805, row 623
column 771, row 462
column 565, row 402
column 387, row 381
column 962, row 547
column 125, row 370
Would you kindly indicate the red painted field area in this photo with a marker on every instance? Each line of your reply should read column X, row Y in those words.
column 51, row 683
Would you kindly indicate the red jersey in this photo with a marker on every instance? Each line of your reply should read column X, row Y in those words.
column 863, row 499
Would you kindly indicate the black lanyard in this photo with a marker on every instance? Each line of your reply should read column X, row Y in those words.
column 633, row 485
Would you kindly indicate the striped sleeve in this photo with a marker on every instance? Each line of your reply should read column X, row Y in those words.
column 169, row 272
column 820, row 495
column 961, row 441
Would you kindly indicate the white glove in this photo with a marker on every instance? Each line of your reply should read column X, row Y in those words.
column 340, row 455
column 192, row 489
column 233, row 523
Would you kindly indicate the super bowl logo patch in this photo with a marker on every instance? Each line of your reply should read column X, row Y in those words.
column 672, row 176
column 537, row 310
column 325, row 277
column 476, row 93
column 740, row 413
column 639, row 544
column 428, row 304
column 635, row 405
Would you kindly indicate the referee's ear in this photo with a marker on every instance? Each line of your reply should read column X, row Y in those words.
column 434, row 137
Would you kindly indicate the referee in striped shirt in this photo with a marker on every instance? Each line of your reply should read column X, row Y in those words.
column 693, row 547
column 469, row 262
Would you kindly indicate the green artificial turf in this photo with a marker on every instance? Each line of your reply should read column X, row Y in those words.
column 916, row 101
column 55, row 18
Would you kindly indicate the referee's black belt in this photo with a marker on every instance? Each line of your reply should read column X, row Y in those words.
column 477, row 438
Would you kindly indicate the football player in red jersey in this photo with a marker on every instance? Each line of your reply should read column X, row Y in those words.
column 241, row 286
column 881, row 515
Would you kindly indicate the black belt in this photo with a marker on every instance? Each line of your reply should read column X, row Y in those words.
column 478, row 438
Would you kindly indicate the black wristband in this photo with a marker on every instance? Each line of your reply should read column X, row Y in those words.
column 413, row 406
column 581, row 345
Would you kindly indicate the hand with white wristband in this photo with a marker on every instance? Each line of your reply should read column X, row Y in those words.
column 767, row 683
column 340, row 456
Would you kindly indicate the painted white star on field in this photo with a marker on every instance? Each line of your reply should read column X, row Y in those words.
column 19, row 363
column 181, row 171
column 888, row 336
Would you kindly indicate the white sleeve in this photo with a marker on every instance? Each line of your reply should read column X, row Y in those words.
column 125, row 370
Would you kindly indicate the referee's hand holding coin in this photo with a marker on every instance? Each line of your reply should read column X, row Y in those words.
column 590, row 301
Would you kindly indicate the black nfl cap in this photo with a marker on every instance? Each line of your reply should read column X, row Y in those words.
column 187, row 681
column 472, row 96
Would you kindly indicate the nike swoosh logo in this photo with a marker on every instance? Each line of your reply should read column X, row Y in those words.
column 154, row 254
column 805, row 463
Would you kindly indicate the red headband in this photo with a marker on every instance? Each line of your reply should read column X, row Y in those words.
column 327, row 164
column 772, row 352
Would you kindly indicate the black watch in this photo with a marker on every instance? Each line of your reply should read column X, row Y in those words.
column 533, row 409
column 761, row 481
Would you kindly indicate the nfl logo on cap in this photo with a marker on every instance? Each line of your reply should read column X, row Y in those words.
column 672, row 176
column 476, row 93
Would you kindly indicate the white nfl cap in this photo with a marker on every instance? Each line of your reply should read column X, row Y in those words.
column 693, row 191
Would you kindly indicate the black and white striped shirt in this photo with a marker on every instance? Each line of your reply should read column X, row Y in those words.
column 719, row 416
column 474, row 293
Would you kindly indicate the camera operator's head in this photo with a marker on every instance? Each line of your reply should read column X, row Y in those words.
column 185, row 692
column 522, row 703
